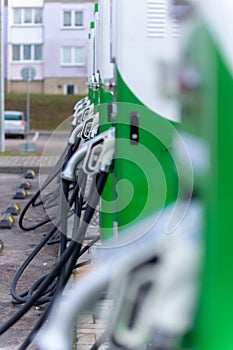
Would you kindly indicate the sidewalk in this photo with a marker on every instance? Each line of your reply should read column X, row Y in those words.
column 20, row 164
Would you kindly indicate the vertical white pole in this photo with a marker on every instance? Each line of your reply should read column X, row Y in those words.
column 28, row 109
column 2, row 135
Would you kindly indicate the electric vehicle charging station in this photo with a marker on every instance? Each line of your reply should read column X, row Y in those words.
column 133, row 49
column 93, row 83
column 117, row 84
column 105, row 64
column 150, row 306
column 207, row 112
column 105, row 74
column 143, row 112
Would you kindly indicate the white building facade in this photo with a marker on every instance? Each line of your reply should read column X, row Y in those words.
column 52, row 37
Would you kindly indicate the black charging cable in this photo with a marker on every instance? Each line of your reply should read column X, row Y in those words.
column 69, row 151
column 73, row 248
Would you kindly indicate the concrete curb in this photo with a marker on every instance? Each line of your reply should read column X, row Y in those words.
column 49, row 133
column 20, row 164
column 23, row 169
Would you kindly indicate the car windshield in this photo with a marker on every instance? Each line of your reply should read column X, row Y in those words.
column 13, row 116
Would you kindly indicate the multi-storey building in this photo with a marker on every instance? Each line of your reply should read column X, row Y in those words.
column 52, row 37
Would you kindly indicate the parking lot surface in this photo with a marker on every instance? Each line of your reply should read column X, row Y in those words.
column 17, row 245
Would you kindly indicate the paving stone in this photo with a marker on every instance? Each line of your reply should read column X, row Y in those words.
column 86, row 339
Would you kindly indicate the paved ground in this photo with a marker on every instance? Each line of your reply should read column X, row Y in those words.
column 18, row 244
column 19, row 164
column 40, row 142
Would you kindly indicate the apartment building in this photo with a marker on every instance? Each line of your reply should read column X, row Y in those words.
column 52, row 37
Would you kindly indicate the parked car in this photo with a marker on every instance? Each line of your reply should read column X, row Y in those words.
column 15, row 124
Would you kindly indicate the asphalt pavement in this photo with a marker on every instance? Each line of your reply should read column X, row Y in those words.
column 18, row 244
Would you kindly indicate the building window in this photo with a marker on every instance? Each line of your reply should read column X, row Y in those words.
column 78, row 18
column 17, row 16
column 79, row 55
column 72, row 19
column 27, row 52
column 38, row 52
column 73, row 56
column 27, row 16
column 67, row 19
column 67, row 56
column 16, row 53
column 71, row 89
column 38, row 15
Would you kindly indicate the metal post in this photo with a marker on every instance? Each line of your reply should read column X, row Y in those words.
column 28, row 111
column 28, row 73
column 2, row 135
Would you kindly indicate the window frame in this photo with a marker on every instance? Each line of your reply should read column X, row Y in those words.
column 72, row 12
column 22, row 12
column 32, row 58
column 73, row 63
